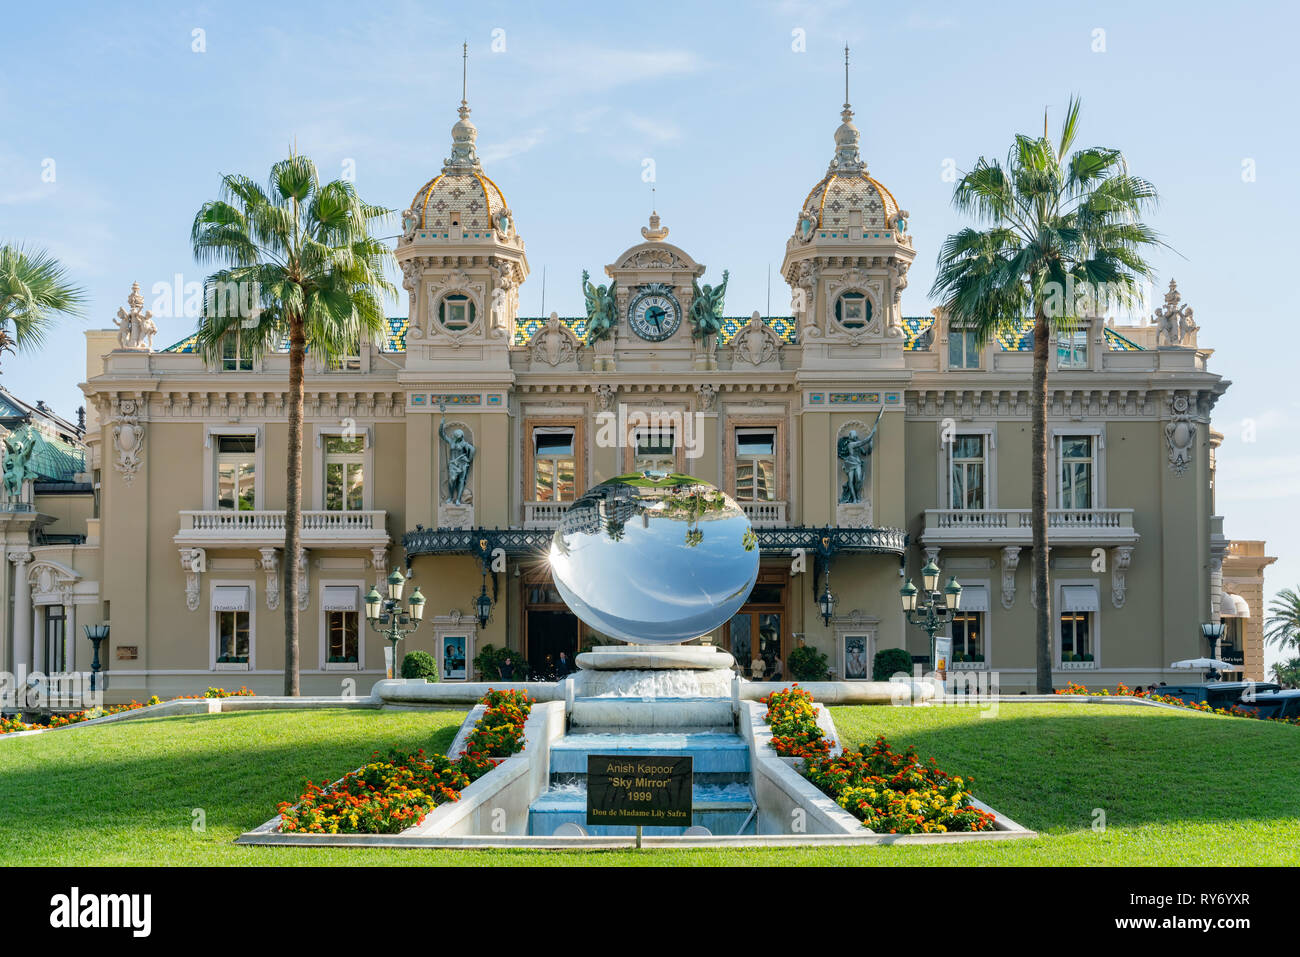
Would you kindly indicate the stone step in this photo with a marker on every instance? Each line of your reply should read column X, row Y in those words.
column 623, row 714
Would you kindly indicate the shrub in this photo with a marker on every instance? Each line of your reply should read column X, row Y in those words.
column 793, row 719
column 488, row 663
column 895, row 793
column 384, row 797
column 808, row 664
column 890, row 661
column 419, row 664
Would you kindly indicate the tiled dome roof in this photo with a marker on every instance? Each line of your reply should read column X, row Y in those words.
column 840, row 191
column 468, row 197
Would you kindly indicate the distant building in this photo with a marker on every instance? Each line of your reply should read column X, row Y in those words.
column 776, row 410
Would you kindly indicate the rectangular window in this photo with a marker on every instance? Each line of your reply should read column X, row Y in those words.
column 963, row 353
column 968, row 471
column 655, row 451
column 968, row 636
column 345, row 473
column 1072, row 350
column 232, row 637
column 1076, row 471
column 1076, row 636
column 236, row 472
column 554, row 465
column 342, row 633
column 55, row 660
column 756, row 465
column 236, row 356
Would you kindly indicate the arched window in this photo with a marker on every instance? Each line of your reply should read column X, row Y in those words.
column 853, row 310
column 456, row 312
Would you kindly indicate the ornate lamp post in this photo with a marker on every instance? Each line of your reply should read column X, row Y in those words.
column 483, row 605
column 386, row 616
column 1213, row 632
column 934, row 610
column 97, row 634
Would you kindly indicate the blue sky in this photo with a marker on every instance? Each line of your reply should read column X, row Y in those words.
column 139, row 126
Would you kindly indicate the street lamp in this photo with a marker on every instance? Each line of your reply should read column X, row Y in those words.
column 97, row 634
column 1213, row 632
column 483, row 605
column 932, row 612
column 827, row 600
column 387, row 617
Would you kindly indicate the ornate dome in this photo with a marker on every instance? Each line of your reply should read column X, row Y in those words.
column 847, row 186
column 461, row 196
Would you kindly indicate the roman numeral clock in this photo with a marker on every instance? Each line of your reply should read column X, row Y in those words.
column 654, row 313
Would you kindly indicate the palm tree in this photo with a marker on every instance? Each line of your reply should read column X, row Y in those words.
column 1287, row 673
column 302, row 257
column 1282, row 626
column 1063, row 233
column 34, row 290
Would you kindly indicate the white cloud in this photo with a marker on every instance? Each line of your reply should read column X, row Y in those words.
column 494, row 152
column 660, row 131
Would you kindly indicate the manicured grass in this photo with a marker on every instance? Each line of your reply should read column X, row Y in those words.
column 1177, row 788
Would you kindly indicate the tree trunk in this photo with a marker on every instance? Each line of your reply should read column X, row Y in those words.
column 293, row 505
column 1038, row 502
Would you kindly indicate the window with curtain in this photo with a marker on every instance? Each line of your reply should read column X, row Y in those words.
column 1076, row 462
column 756, row 465
column 554, row 464
column 345, row 473
column 968, row 469
column 236, row 464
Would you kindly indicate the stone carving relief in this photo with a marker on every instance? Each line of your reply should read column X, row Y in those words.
column 1010, row 562
column 1180, row 433
column 803, row 283
column 304, row 581
column 655, row 258
column 855, row 280
column 412, row 271
column 755, row 343
column 708, row 394
column 194, row 561
column 135, row 328
column 457, row 282
column 604, row 397
column 554, row 343
column 270, row 564
column 128, row 439
column 1120, row 558
column 379, row 562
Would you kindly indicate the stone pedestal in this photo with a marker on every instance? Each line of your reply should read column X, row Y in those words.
column 654, row 671
column 455, row 516
column 853, row 516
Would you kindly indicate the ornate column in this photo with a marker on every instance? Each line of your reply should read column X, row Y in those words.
column 22, row 612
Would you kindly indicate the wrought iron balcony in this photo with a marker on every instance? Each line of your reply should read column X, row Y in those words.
column 1012, row 526
column 216, row 527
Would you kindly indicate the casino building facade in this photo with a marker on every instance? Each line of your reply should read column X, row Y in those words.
column 860, row 442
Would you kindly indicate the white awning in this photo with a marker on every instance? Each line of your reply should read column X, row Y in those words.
column 1233, row 606
column 230, row 598
column 1079, row 598
column 975, row 598
column 339, row 598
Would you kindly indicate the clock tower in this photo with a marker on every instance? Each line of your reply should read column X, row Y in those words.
column 654, row 287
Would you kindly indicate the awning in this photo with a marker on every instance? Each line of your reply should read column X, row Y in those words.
column 1079, row 598
column 339, row 598
column 230, row 598
column 975, row 598
column 1233, row 606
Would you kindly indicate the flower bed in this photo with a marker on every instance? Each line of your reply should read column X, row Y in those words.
column 389, row 795
column 793, row 719
column 8, row 725
column 383, row 797
column 1123, row 691
column 897, row 794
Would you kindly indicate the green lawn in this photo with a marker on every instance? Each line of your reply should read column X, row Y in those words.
column 1177, row 788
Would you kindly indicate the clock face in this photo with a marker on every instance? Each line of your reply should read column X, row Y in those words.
column 654, row 316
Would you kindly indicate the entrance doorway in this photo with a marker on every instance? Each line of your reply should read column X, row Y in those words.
column 549, row 628
column 757, row 631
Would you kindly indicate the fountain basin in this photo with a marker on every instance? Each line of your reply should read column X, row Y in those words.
column 655, row 658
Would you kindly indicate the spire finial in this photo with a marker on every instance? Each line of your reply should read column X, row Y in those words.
column 464, row 75
column 846, row 76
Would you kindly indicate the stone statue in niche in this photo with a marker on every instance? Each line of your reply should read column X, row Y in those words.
column 460, row 458
column 853, row 451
